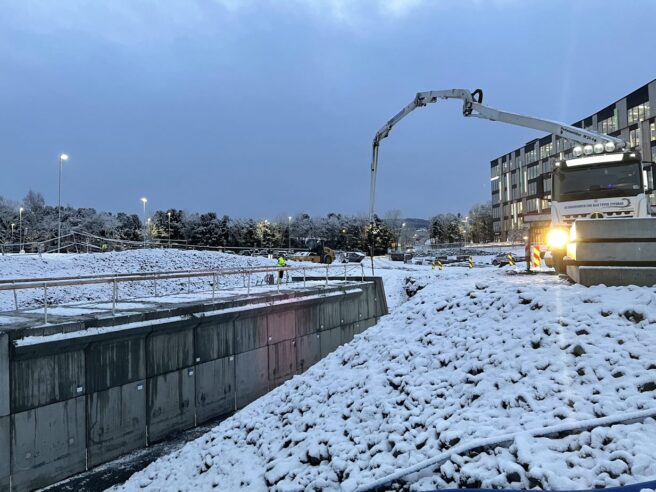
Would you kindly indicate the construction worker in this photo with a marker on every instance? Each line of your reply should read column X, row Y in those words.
column 281, row 263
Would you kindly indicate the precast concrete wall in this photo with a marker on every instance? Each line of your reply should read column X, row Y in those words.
column 71, row 402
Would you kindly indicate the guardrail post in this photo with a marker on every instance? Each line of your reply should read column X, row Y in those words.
column 326, row 275
column 15, row 298
column 213, row 285
column 344, row 272
column 248, row 291
column 45, row 303
column 114, row 295
column 362, row 268
column 155, row 281
column 304, row 277
column 188, row 285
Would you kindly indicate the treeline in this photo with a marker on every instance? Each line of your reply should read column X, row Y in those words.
column 348, row 232
column 475, row 227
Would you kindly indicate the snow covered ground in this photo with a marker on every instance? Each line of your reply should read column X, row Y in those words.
column 474, row 354
column 136, row 261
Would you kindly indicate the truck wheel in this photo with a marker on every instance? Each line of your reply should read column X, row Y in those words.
column 327, row 260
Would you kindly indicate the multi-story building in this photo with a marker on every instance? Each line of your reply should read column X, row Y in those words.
column 521, row 179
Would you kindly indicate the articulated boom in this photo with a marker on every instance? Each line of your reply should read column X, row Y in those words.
column 473, row 107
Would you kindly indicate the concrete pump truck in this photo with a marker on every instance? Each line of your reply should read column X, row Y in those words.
column 602, row 180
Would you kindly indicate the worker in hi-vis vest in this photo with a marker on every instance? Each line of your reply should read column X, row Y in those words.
column 281, row 263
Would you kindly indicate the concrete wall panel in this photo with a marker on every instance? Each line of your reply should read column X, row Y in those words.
column 48, row 444
column 250, row 333
column 349, row 311
column 307, row 320
column 365, row 302
column 4, row 374
column 330, row 340
column 215, row 388
column 252, row 375
column 115, row 363
column 329, row 315
column 4, row 454
column 116, row 421
column 281, row 326
column 282, row 362
column 43, row 380
column 364, row 324
column 308, row 351
column 170, row 350
column 171, row 403
column 348, row 332
column 214, row 339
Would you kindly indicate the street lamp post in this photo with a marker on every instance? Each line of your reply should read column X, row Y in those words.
column 289, row 231
column 62, row 158
column 401, row 235
column 169, row 214
column 20, row 230
column 12, row 232
column 144, row 200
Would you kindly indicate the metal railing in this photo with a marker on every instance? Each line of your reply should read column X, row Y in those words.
column 114, row 280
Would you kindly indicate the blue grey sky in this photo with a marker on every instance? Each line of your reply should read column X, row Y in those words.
column 262, row 108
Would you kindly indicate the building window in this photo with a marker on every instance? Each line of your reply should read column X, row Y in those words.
column 609, row 124
column 533, row 172
column 652, row 131
column 531, row 156
column 533, row 188
column 634, row 138
column 547, row 185
column 638, row 113
column 546, row 150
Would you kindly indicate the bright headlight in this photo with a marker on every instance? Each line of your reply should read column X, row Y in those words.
column 598, row 148
column 587, row 149
column 609, row 146
column 577, row 151
column 557, row 238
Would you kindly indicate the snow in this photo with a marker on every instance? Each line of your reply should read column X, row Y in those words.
column 471, row 355
column 137, row 261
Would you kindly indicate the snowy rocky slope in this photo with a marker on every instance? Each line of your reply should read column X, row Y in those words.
column 473, row 354
column 136, row 261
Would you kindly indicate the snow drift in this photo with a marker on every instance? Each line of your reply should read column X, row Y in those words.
column 472, row 355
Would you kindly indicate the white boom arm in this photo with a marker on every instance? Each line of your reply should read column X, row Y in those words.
column 472, row 106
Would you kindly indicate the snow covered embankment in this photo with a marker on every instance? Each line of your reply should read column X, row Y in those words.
column 473, row 357
column 137, row 261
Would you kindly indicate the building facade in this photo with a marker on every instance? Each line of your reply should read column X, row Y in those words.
column 521, row 179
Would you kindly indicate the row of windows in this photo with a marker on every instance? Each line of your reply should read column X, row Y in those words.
column 546, row 150
column 638, row 113
column 496, row 212
column 609, row 125
column 652, row 131
column 531, row 156
column 533, row 172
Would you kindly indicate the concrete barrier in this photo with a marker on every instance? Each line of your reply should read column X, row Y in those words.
column 94, row 396
column 116, row 421
column 171, row 403
column 5, row 455
column 48, row 444
column 613, row 252
column 252, row 375
column 215, row 388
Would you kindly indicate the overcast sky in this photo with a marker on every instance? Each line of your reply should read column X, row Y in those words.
column 261, row 108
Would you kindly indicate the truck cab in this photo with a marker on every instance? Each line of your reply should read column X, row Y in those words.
column 593, row 187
